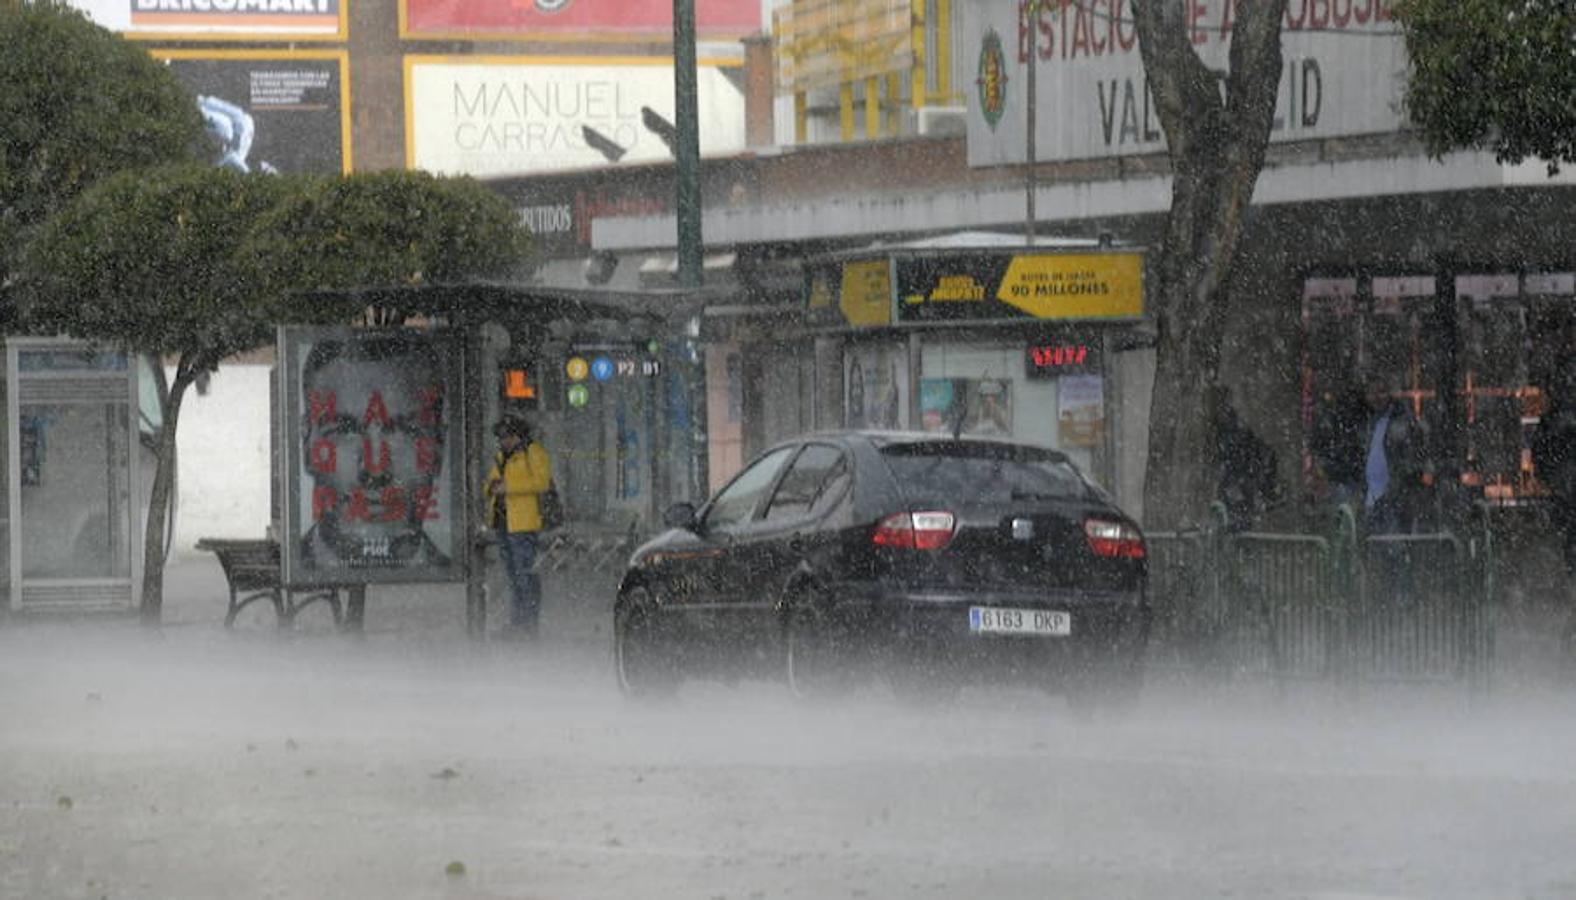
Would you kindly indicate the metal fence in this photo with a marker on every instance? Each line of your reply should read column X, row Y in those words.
column 1324, row 606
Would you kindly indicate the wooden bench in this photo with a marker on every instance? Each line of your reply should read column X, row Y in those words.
column 252, row 569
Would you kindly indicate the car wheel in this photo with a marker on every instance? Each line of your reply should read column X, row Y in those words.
column 816, row 656
column 643, row 669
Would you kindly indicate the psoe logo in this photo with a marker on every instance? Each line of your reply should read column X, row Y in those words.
column 992, row 78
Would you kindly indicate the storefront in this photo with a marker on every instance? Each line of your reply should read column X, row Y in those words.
column 1475, row 355
column 995, row 340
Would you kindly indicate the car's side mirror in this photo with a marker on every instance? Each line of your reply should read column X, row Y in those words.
column 681, row 515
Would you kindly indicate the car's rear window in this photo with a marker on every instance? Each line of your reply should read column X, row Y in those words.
column 979, row 472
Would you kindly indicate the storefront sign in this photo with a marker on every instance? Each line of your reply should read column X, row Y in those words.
column 247, row 20
column 984, row 286
column 865, row 292
column 583, row 21
column 1343, row 71
column 271, row 110
column 484, row 116
column 1052, row 359
column 373, row 480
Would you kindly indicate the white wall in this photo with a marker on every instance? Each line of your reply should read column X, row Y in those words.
column 224, row 459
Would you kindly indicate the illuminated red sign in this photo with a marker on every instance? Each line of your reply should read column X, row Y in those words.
column 1050, row 360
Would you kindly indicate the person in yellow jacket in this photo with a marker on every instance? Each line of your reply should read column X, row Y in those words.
column 520, row 473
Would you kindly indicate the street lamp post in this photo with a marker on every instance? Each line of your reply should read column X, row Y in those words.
column 1033, row 12
column 686, row 156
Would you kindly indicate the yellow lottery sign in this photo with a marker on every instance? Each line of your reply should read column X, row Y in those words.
column 1075, row 285
column 577, row 368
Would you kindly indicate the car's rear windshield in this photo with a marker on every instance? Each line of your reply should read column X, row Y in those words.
column 957, row 472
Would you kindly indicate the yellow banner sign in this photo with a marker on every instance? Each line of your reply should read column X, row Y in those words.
column 1075, row 285
column 866, row 294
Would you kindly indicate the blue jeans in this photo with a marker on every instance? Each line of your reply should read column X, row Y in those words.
column 518, row 549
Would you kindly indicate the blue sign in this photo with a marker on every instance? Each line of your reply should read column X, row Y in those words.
column 602, row 368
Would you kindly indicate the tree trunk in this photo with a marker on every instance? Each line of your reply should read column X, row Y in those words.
column 1217, row 128
column 153, row 546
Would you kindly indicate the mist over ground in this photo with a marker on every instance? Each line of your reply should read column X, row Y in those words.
column 200, row 763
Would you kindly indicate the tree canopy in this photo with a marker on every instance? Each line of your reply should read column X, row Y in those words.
column 150, row 262
column 1493, row 74
column 77, row 103
column 383, row 230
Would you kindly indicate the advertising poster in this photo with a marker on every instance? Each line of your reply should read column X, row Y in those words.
column 271, row 111
column 573, row 20
column 984, row 405
column 242, row 20
column 1080, row 401
column 483, row 116
column 1343, row 73
column 373, row 476
column 875, row 387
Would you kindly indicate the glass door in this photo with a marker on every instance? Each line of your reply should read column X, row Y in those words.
column 74, row 541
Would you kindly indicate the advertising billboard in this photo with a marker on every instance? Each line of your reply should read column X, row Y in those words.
column 479, row 115
column 1343, row 73
column 373, row 474
column 579, row 21
column 241, row 20
column 271, row 110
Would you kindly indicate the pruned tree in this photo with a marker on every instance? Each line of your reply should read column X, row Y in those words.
column 77, row 103
column 1217, row 127
column 331, row 239
column 196, row 264
column 1493, row 74
column 147, row 262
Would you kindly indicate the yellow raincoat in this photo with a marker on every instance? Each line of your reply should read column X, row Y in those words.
column 522, row 477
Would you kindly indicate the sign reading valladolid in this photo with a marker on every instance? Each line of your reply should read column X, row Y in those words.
column 512, row 115
column 373, row 476
column 231, row 19
column 596, row 19
column 1343, row 72
column 270, row 111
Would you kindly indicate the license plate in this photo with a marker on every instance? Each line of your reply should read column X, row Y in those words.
column 998, row 620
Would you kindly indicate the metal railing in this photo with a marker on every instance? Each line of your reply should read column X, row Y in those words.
column 1325, row 606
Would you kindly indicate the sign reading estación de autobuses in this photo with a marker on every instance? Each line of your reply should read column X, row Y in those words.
column 579, row 20
column 1343, row 71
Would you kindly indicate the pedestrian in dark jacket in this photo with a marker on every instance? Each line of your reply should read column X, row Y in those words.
column 1248, row 480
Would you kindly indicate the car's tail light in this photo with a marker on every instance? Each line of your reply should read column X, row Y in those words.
column 1114, row 540
column 929, row 530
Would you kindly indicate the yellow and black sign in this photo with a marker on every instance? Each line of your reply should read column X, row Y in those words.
column 856, row 292
column 985, row 286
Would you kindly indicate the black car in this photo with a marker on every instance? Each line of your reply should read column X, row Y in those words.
column 922, row 557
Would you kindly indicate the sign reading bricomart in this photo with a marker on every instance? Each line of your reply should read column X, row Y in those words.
column 236, row 19
column 1343, row 73
column 512, row 115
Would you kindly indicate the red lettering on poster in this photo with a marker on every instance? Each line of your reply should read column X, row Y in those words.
column 324, row 499
column 357, row 509
column 428, row 459
column 431, row 404
column 393, row 500
column 323, row 456
column 425, row 502
column 374, row 465
column 377, row 411
column 321, row 406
